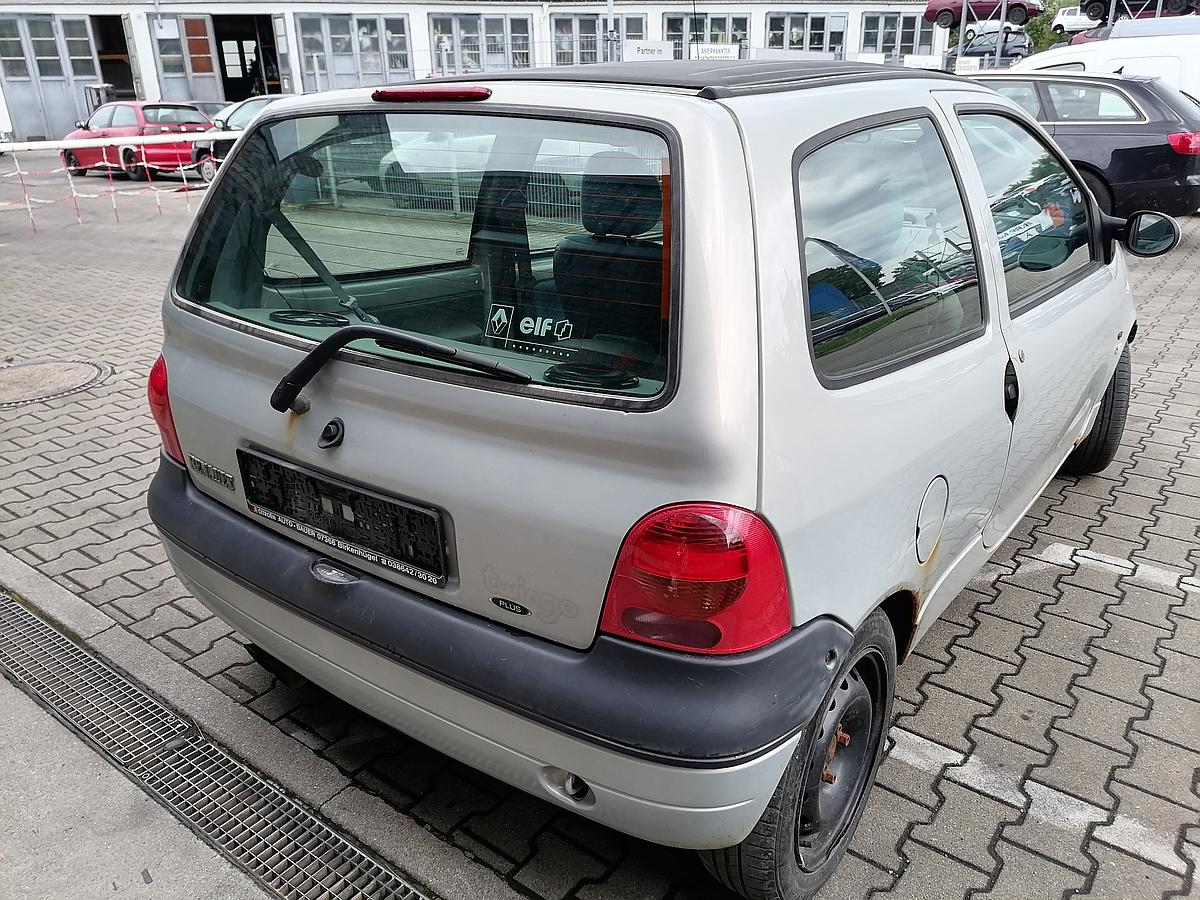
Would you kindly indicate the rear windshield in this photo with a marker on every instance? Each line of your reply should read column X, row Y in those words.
column 539, row 243
column 173, row 115
column 1185, row 105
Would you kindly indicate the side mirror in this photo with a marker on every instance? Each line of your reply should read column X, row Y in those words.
column 219, row 123
column 1145, row 234
column 1150, row 234
column 1044, row 252
column 82, row 125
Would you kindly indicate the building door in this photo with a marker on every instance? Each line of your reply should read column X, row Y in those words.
column 44, row 63
column 185, row 51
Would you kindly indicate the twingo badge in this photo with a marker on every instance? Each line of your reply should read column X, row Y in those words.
column 211, row 472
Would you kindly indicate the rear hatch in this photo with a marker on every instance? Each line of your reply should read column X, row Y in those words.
column 536, row 244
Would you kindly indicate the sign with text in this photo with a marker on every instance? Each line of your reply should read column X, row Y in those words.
column 714, row 51
column 632, row 51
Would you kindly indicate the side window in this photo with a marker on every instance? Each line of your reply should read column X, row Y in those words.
column 100, row 118
column 1089, row 103
column 1040, row 212
column 124, row 117
column 1022, row 94
column 890, row 265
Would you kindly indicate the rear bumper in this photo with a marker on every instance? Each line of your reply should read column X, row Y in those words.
column 672, row 745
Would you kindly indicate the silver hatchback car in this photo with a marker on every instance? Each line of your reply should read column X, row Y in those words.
column 617, row 429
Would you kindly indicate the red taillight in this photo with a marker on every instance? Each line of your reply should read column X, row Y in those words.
column 432, row 93
column 1185, row 142
column 160, row 408
column 702, row 577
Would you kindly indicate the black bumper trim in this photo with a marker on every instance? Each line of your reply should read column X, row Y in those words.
column 675, row 708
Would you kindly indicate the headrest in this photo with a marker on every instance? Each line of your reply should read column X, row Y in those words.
column 618, row 196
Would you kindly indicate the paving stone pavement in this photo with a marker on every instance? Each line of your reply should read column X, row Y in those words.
column 1047, row 733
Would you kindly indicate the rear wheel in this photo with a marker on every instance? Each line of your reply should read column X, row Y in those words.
column 804, row 831
column 1059, row 30
column 1099, row 448
column 968, row 34
column 1175, row 7
column 134, row 171
column 1018, row 15
column 1095, row 10
column 945, row 18
column 1100, row 191
column 71, row 161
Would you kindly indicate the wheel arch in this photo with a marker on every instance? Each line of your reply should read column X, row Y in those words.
column 901, row 608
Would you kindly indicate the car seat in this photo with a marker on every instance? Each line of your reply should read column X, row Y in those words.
column 609, row 281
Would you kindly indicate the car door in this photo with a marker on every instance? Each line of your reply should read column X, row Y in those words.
column 1065, row 314
column 97, row 127
column 883, row 434
column 125, row 124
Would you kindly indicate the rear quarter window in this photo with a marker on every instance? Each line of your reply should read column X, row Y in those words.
column 890, row 265
column 545, row 244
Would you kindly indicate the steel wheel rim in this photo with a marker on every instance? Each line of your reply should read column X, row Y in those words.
column 843, row 748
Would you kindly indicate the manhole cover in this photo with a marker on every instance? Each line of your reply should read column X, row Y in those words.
column 31, row 382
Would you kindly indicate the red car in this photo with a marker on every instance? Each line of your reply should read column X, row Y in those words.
column 135, row 118
column 948, row 13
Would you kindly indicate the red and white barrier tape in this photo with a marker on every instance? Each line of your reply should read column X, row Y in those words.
column 19, row 176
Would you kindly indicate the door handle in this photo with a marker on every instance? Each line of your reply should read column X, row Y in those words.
column 1012, row 391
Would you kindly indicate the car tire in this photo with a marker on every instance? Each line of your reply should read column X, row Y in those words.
column 1099, row 448
column 1096, row 10
column 207, row 169
column 1175, row 7
column 945, row 19
column 1101, row 191
column 1018, row 15
column 968, row 35
column 72, row 164
column 768, row 865
column 1059, row 30
column 133, row 170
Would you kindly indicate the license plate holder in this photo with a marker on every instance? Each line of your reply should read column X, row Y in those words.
column 397, row 534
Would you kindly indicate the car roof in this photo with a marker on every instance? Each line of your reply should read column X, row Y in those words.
column 711, row 79
column 1042, row 75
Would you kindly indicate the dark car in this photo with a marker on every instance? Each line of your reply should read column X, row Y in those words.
column 1135, row 139
column 232, row 117
column 1016, row 46
column 948, row 13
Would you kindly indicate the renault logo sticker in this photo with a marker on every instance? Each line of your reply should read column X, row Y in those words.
column 500, row 320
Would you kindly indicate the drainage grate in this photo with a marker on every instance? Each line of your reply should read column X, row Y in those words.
column 288, row 849
column 263, row 830
column 105, row 706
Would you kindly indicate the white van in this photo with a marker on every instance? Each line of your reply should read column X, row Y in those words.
column 1173, row 58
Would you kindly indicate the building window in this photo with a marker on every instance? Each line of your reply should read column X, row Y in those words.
column 45, row 48
column 370, row 58
column 806, row 31
column 395, row 32
column 312, row 46
column 198, row 49
column 466, row 43
column 170, row 48
column 12, row 57
column 519, row 43
column 699, row 29
column 897, row 34
column 281, row 52
column 79, row 47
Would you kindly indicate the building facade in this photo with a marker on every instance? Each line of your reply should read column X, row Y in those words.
column 226, row 50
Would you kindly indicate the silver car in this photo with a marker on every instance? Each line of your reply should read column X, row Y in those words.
column 632, row 485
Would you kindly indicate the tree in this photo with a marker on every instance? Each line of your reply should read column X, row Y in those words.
column 1038, row 28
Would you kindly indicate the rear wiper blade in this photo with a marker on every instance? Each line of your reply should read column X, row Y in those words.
column 283, row 398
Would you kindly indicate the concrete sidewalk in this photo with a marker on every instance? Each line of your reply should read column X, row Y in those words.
column 73, row 826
